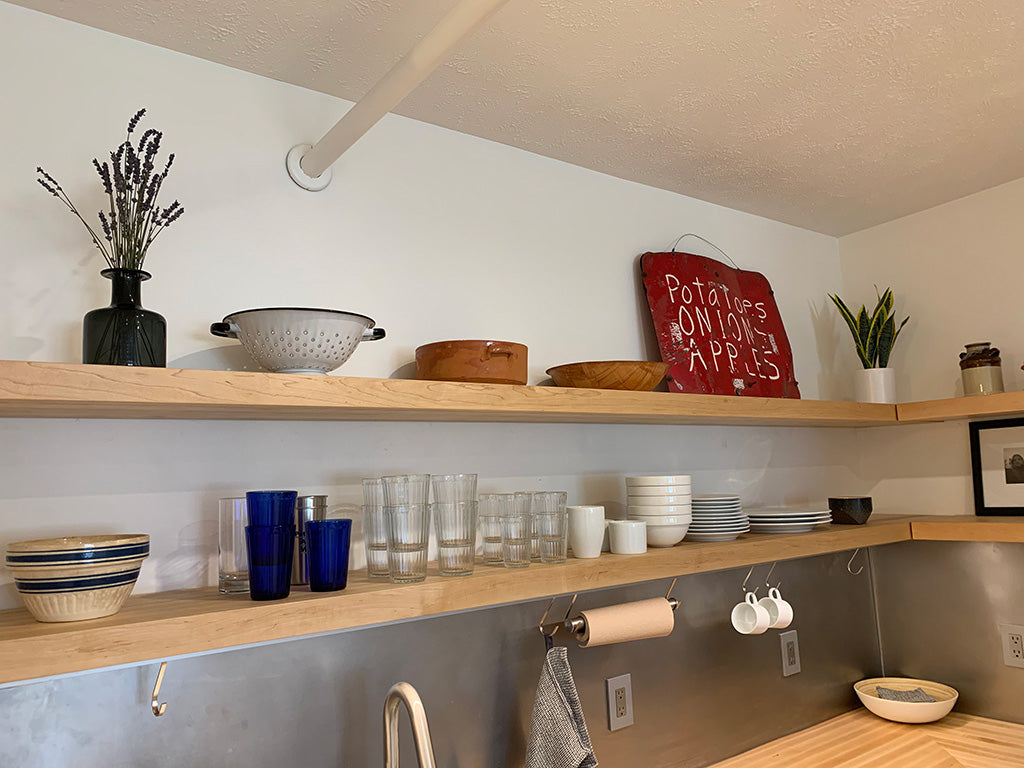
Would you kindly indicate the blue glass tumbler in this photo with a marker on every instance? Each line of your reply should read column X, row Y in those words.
column 270, row 548
column 267, row 508
column 327, row 547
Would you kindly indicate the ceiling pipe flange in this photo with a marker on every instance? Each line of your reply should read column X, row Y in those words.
column 294, row 164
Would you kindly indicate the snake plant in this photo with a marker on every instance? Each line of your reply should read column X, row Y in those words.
column 874, row 335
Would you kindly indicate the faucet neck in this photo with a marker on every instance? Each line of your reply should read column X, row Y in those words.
column 403, row 692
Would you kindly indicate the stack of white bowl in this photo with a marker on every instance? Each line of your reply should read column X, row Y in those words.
column 663, row 502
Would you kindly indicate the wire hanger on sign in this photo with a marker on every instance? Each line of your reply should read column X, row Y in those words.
column 705, row 240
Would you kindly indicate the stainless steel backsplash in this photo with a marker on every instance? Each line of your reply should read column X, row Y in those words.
column 939, row 607
column 700, row 695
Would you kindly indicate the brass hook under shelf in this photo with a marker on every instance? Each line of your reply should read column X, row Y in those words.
column 849, row 565
column 158, row 708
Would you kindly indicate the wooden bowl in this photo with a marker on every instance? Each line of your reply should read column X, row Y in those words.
column 907, row 711
column 476, row 361
column 635, row 375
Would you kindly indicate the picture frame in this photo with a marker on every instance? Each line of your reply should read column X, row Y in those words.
column 997, row 466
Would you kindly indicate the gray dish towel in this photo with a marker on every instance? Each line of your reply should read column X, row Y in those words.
column 916, row 695
column 558, row 732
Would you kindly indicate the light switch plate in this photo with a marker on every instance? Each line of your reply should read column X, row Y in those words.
column 790, row 653
column 620, row 702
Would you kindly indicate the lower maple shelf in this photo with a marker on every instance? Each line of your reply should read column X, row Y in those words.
column 166, row 624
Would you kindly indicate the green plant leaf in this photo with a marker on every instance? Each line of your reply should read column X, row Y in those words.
column 886, row 338
column 874, row 332
column 851, row 322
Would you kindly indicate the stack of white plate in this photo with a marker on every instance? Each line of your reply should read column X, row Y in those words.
column 787, row 519
column 717, row 517
column 663, row 502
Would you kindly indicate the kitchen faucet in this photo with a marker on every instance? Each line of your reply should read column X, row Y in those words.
column 418, row 718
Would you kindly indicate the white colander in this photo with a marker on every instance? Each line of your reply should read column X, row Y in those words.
column 298, row 340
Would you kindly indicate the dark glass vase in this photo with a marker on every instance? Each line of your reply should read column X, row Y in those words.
column 124, row 333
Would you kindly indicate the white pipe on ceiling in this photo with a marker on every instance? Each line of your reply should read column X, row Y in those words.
column 312, row 163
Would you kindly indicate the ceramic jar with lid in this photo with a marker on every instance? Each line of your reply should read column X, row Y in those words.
column 981, row 369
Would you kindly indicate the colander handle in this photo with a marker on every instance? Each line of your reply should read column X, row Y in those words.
column 227, row 330
column 375, row 334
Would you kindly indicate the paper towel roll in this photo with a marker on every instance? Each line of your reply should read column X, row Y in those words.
column 628, row 621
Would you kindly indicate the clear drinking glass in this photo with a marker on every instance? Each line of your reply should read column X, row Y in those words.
column 408, row 532
column 375, row 533
column 524, row 505
column 232, row 558
column 406, row 490
column 455, row 524
column 489, row 523
column 516, row 532
column 552, row 527
column 449, row 489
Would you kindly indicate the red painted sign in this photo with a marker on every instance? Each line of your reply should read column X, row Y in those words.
column 718, row 327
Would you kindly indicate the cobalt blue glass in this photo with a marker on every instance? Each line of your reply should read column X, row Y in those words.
column 270, row 551
column 267, row 508
column 327, row 547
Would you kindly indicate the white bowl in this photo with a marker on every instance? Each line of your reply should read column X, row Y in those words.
column 906, row 711
column 658, row 501
column 663, row 519
column 658, row 480
column 658, row 490
column 298, row 339
column 665, row 535
column 77, row 551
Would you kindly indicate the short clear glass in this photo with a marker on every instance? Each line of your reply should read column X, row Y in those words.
column 450, row 489
column 232, row 557
column 408, row 533
column 524, row 505
column 406, row 490
column 455, row 524
column 516, row 529
column 552, row 528
column 375, row 535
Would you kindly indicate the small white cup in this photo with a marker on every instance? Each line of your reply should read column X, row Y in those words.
column 750, row 617
column 628, row 537
column 780, row 613
column 586, row 531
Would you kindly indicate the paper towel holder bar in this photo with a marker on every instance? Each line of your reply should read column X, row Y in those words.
column 549, row 630
column 578, row 626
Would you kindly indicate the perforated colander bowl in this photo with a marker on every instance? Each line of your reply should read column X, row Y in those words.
column 298, row 339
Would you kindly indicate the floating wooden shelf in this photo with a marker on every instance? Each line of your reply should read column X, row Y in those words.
column 167, row 624
column 97, row 391
column 1008, row 530
column 954, row 408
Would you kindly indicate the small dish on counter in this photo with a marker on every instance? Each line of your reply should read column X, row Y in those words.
column 633, row 375
column 906, row 711
column 73, row 578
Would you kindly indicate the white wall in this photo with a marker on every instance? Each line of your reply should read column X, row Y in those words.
column 434, row 234
column 957, row 270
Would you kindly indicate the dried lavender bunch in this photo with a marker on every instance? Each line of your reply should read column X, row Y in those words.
column 132, row 183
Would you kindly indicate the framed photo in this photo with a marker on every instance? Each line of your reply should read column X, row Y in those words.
column 997, row 466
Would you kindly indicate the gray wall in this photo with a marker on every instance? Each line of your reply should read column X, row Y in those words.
column 700, row 695
column 939, row 607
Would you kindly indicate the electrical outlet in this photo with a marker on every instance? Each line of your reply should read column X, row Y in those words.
column 620, row 702
column 790, row 653
column 1012, row 636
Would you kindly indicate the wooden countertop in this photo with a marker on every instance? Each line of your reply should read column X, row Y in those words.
column 858, row 739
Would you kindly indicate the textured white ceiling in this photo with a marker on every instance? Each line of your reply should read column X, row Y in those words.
column 830, row 114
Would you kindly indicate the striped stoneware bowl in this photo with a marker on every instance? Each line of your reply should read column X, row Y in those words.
column 76, row 577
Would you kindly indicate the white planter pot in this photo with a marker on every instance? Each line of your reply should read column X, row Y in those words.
column 875, row 385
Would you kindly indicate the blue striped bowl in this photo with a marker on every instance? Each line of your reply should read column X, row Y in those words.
column 77, row 577
column 76, row 551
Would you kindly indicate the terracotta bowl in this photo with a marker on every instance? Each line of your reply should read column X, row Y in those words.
column 475, row 361
column 635, row 375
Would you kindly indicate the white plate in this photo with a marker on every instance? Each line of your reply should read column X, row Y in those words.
column 723, row 516
column 657, row 501
column 731, row 527
column 772, row 520
column 793, row 528
column 702, row 537
column 714, row 507
column 658, row 480
column 716, row 497
column 658, row 490
column 784, row 512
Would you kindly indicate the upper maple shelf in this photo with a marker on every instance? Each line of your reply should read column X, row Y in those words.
column 64, row 390
column 977, row 407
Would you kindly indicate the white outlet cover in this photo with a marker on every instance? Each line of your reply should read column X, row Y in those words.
column 790, row 653
column 613, row 684
column 1013, row 653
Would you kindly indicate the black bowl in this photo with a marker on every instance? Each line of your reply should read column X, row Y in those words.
column 850, row 510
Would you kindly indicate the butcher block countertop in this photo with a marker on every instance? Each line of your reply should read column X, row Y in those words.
column 858, row 739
